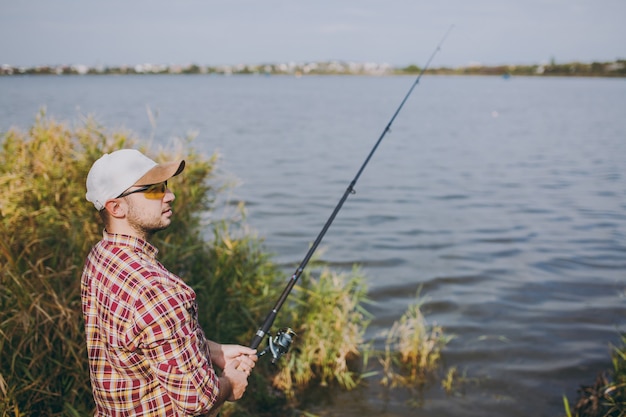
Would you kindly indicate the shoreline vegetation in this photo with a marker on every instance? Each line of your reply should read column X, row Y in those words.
column 615, row 68
column 48, row 228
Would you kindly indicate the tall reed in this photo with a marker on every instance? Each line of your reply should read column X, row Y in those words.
column 332, row 321
column 412, row 350
column 48, row 228
column 607, row 396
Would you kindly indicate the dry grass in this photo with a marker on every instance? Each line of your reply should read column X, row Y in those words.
column 48, row 228
column 332, row 322
column 412, row 349
column 607, row 396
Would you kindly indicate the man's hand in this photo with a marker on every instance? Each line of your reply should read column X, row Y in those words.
column 236, row 362
column 222, row 355
column 237, row 379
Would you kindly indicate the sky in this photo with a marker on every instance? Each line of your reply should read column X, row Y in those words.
column 230, row 32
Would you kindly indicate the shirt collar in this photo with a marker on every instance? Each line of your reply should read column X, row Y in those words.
column 137, row 244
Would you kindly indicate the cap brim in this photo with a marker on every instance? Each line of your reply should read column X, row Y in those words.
column 161, row 172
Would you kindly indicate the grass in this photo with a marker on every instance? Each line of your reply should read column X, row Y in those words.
column 412, row 350
column 332, row 321
column 607, row 396
column 46, row 233
column 48, row 228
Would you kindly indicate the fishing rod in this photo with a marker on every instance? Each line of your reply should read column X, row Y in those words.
column 282, row 341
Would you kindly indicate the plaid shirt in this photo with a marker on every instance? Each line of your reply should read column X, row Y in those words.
column 148, row 355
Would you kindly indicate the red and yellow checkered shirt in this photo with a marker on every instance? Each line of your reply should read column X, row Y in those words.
column 148, row 355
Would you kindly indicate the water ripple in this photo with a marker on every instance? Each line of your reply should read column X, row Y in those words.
column 513, row 227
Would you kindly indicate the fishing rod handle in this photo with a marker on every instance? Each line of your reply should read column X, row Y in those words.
column 264, row 329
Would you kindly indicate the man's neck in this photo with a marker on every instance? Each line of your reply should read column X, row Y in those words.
column 124, row 229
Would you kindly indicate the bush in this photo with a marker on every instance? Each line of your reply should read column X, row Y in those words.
column 412, row 349
column 332, row 324
column 48, row 228
column 607, row 396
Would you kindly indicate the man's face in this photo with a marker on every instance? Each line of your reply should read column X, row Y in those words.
column 149, row 215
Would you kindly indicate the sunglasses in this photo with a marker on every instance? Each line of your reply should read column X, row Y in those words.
column 152, row 191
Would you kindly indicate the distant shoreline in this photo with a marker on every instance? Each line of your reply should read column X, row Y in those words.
column 576, row 69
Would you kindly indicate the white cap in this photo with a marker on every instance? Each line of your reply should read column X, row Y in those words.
column 117, row 171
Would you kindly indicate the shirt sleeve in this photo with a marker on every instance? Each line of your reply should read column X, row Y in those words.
column 168, row 333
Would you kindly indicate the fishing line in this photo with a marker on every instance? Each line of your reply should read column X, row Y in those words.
column 280, row 344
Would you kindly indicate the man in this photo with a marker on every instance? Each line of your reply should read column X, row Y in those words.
column 148, row 355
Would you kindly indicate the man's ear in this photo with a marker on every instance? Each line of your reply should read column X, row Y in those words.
column 116, row 208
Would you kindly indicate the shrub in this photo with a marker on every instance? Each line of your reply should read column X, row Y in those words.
column 48, row 228
column 607, row 396
column 332, row 322
column 412, row 350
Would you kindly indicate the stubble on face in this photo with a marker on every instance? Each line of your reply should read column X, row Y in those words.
column 146, row 219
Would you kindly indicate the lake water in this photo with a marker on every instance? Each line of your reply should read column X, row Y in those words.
column 505, row 200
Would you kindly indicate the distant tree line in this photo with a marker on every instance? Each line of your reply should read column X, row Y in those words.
column 595, row 69
column 577, row 69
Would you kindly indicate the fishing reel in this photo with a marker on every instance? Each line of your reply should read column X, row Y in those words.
column 280, row 345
